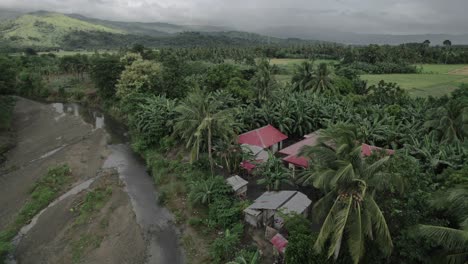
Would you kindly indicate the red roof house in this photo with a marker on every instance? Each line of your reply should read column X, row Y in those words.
column 367, row 150
column 292, row 151
column 257, row 141
column 264, row 137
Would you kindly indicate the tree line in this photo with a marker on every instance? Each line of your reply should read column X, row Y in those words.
column 409, row 207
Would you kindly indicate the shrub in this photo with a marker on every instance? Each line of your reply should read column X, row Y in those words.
column 203, row 191
column 152, row 120
column 224, row 212
column 224, row 247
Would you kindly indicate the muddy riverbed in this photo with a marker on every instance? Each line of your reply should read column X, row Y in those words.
column 138, row 230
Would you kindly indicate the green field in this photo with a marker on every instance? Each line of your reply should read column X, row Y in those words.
column 435, row 79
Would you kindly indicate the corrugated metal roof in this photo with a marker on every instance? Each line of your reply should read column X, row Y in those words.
column 289, row 201
column 236, row 182
column 249, row 166
column 272, row 200
column 297, row 204
column 263, row 137
column 252, row 211
column 298, row 161
column 258, row 152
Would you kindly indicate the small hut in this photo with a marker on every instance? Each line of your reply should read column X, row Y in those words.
column 267, row 209
column 238, row 184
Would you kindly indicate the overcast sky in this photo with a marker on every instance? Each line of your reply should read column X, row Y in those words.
column 361, row 16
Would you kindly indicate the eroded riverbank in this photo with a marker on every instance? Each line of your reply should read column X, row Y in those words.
column 67, row 133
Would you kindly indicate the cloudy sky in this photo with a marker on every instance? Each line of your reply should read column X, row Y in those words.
column 361, row 16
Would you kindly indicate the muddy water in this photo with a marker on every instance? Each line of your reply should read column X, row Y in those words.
column 155, row 221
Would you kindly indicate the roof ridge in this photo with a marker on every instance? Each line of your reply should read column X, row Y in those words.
column 260, row 137
column 289, row 199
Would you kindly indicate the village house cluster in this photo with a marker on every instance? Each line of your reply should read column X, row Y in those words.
column 268, row 210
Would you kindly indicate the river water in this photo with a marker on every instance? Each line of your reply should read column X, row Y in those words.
column 156, row 222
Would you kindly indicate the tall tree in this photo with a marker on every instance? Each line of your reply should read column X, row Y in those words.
column 453, row 240
column 448, row 45
column 304, row 76
column 264, row 80
column 450, row 121
column 201, row 120
column 350, row 183
column 105, row 72
column 322, row 80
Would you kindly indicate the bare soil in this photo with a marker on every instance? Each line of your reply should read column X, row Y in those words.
column 44, row 138
column 461, row 71
column 108, row 236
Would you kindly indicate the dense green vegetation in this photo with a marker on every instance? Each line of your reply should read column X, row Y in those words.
column 185, row 106
column 46, row 189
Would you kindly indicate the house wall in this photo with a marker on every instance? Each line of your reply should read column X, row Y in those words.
column 267, row 218
column 253, row 220
column 242, row 191
column 274, row 148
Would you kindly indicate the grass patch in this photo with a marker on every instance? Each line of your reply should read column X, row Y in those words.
column 7, row 104
column 440, row 68
column 46, row 189
column 93, row 202
column 434, row 80
column 85, row 243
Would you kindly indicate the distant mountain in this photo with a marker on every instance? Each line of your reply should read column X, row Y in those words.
column 150, row 29
column 46, row 29
column 50, row 30
column 324, row 34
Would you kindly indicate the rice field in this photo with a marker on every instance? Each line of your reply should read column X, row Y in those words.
column 434, row 80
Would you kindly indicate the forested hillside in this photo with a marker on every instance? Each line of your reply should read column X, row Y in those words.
column 48, row 31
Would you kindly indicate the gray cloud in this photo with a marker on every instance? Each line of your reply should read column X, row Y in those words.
column 361, row 16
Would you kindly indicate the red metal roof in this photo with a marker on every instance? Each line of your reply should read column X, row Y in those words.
column 293, row 150
column 367, row 150
column 296, row 147
column 263, row 137
column 298, row 161
column 247, row 165
column 279, row 242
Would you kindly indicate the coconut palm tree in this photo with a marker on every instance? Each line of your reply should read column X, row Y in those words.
column 450, row 121
column 200, row 120
column 304, row 76
column 454, row 241
column 322, row 80
column 273, row 173
column 350, row 183
column 264, row 80
column 448, row 44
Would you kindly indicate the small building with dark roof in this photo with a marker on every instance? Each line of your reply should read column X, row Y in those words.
column 238, row 184
column 267, row 209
